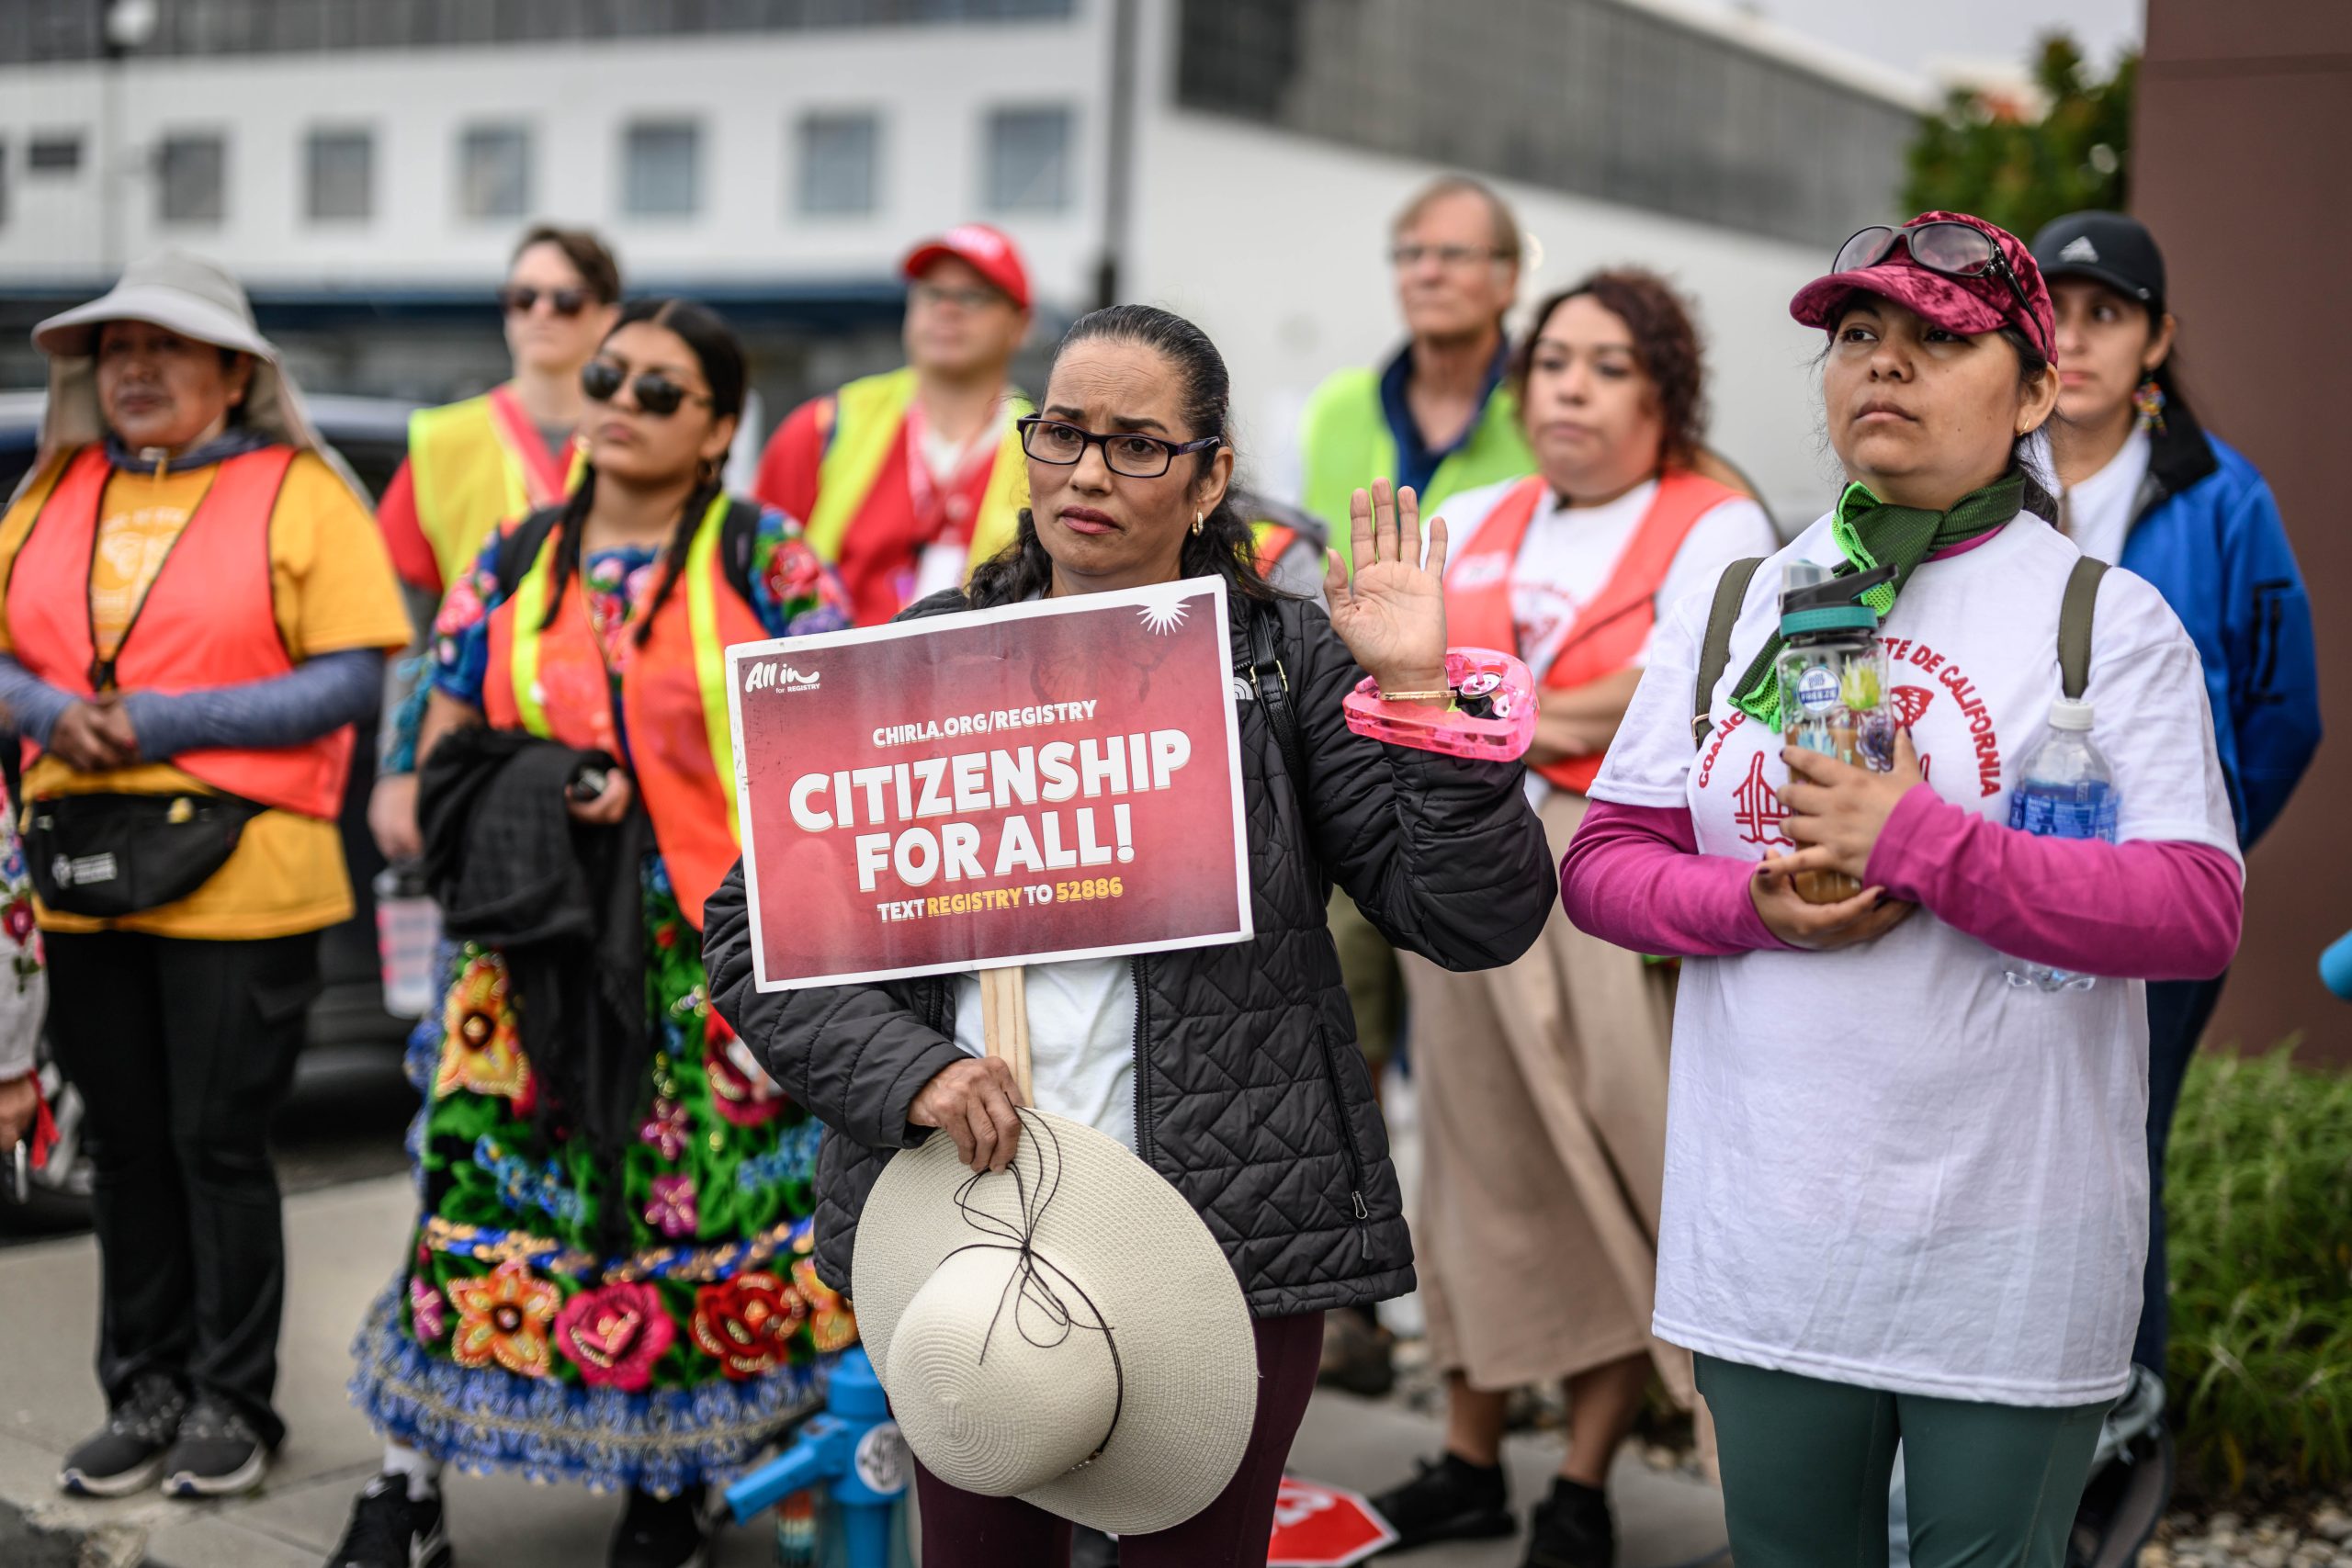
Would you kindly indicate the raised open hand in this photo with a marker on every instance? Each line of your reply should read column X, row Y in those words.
column 1391, row 614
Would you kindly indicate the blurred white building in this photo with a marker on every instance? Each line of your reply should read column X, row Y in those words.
column 365, row 166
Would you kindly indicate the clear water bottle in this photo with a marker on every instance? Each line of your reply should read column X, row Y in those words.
column 1833, row 676
column 2065, row 790
column 408, row 936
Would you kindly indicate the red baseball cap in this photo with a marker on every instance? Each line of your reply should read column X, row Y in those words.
column 989, row 251
column 1957, row 304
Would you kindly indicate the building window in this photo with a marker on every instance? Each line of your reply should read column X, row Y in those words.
column 494, row 171
column 1028, row 153
column 342, row 166
column 192, row 179
column 55, row 153
column 661, row 162
column 838, row 155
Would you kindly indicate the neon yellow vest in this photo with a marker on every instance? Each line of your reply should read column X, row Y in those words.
column 868, row 415
column 1346, row 446
column 467, row 480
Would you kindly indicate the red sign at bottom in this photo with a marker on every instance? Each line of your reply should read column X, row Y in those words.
column 1323, row 1526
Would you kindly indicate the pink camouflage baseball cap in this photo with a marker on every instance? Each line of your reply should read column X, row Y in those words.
column 1950, row 278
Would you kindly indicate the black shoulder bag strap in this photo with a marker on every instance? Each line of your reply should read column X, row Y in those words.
column 1714, row 650
column 520, row 546
column 1272, row 681
column 2077, row 613
column 738, row 537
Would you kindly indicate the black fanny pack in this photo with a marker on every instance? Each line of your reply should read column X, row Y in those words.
column 107, row 855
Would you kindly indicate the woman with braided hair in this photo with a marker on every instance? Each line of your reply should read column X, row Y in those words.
column 608, row 1282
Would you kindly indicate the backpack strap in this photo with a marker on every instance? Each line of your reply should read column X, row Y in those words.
column 1714, row 650
column 739, row 533
column 2077, row 613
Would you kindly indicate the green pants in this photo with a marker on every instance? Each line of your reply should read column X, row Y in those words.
column 1806, row 1464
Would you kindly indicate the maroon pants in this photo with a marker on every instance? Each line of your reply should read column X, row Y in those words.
column 962, row 1530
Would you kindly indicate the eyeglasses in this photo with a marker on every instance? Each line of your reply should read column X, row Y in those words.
column 1128, row 452
column 1405, row 256
column 963, row 298
column 1954, row 250
column 519, row 298
column 656, row 393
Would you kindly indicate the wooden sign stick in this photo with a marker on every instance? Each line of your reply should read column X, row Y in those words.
column 1004, row 1020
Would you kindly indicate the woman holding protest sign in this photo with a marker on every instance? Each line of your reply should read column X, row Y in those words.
column 1906, row 1179
column 605, row 1285
column 1542, row 1086
column 1228, row 1069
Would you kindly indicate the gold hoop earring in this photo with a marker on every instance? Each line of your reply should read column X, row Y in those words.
column 1196, row 524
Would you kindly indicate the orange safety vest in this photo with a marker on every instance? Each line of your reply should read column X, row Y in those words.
column 550, row 678
column 1611, row 628
column 209, row 618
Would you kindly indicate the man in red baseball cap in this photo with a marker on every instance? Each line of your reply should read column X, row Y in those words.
column 905, row 479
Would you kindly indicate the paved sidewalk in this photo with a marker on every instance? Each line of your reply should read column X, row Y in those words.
column 342, row 1244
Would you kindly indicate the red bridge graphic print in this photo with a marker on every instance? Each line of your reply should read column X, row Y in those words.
column 1755, row 806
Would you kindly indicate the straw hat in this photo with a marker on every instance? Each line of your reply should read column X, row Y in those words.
column 1067, row 1331
column 197, row 299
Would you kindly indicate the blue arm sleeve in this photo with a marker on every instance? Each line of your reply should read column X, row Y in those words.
column 319, row 695
column 2274, row 664
column 29, row 704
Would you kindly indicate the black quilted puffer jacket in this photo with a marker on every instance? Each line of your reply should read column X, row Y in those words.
column 1250, row 1096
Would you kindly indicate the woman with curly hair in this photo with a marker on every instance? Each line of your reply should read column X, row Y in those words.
column 1543, row 1084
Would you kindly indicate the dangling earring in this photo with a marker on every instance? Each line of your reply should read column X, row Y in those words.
column 1196, row 524
column 2149, row 398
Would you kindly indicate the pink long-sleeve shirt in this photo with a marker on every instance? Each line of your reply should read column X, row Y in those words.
column 2152, row 910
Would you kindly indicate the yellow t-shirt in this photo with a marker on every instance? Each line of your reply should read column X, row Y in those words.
column 332, row 586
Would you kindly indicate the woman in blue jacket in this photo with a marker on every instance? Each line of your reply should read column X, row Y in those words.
column 2147, row 488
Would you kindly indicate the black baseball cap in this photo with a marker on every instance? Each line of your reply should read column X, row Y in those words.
column 2109, row 247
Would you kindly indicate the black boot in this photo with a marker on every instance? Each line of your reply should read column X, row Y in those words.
column 1448, row 1499
column 1572, row 1528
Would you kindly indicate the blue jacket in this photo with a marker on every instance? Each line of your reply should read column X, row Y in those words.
column 2206, row 532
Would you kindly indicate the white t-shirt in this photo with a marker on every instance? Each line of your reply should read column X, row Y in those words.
column 2098, row 510
column 1568, row 555
column 1884, row 1165
column 1081, row 1040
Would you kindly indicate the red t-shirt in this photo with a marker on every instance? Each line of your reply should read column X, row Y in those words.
column 882, row 550
column 412, row 553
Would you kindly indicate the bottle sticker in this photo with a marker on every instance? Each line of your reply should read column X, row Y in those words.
column 1817, row 689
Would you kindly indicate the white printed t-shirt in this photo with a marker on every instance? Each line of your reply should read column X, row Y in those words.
column 1884, row 1165
column 1569, row 553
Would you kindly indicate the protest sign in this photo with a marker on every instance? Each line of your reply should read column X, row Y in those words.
column 1039, row 781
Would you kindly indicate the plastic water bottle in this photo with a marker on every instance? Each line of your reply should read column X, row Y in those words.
column 408, row 934
column 2065, row 790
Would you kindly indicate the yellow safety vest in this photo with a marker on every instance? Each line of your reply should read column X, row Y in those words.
column 468, row 480
column 867, row 417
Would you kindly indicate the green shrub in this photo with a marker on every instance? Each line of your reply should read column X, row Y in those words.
column 2258, row 1198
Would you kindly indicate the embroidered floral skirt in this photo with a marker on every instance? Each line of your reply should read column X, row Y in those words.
column 509, row 1342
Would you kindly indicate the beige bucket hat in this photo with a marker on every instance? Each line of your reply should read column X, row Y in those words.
column 197, row 299
column 1067, row 1331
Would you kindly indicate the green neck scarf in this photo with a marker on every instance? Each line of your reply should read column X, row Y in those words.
column 1870, row 532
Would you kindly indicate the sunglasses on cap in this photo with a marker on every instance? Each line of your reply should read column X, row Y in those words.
column 520, row 299
column 656, row 393
column 1940, row 245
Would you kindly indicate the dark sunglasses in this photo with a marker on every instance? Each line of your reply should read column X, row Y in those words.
column 1954, row 250
column 656, row 393
column 519, row 298
column 1128, row 452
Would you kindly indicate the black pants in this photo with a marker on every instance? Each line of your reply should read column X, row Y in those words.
column 2177, row 1014
column 181, row 1050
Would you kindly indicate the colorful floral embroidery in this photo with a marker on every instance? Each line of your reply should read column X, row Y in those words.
column 671, row 1209
column 522, row 1185
column 831, row 1325
column 746, row 1323
column 666, row 1129
column 427, row 1318
column 481, row 1052
column 739, row 1090
column 794, row 1159
column 613, row 1334
column 503, row 1317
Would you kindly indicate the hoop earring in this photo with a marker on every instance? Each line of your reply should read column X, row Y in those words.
column 1196, row 524
column 2149, row 398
